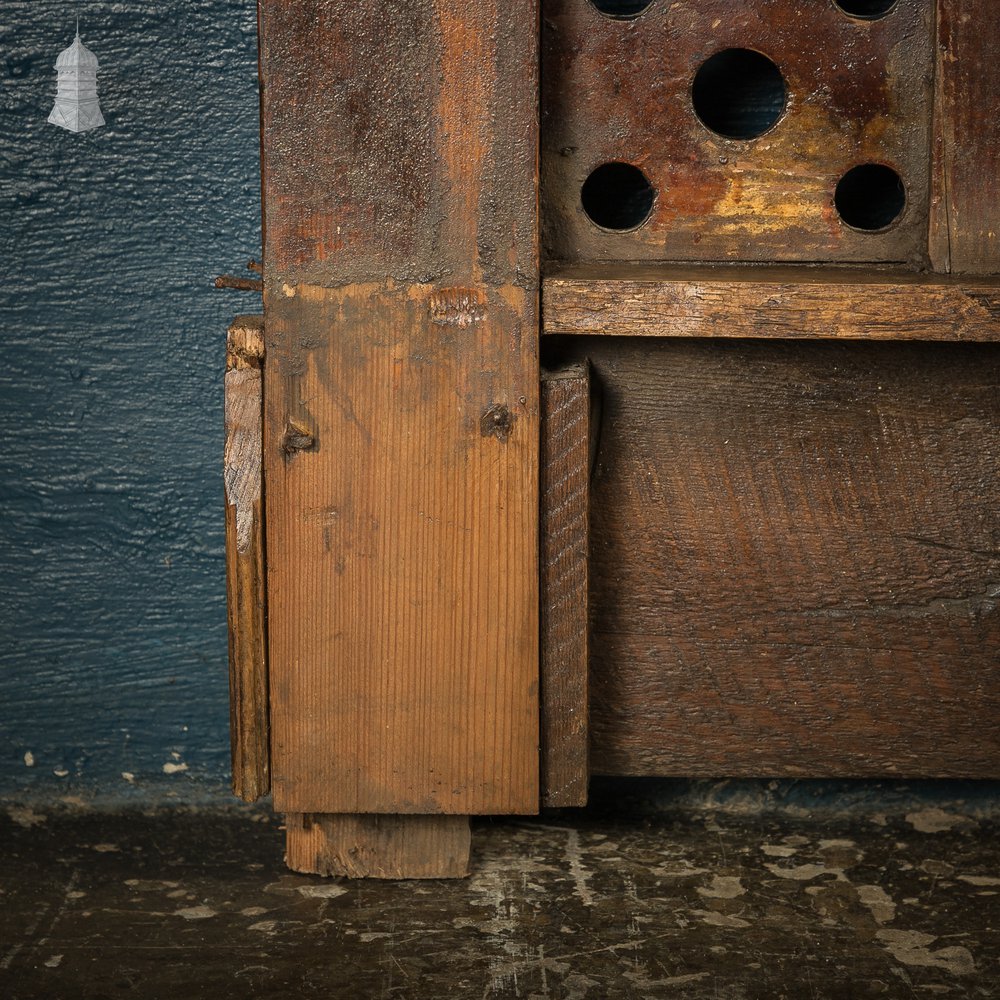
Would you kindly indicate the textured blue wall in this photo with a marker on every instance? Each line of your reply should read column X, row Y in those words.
column 112, row 603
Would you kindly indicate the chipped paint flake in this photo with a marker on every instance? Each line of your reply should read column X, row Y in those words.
column 979, row 880
column 196, row 912
column 803, row 873
column 778, row 850
column 716, row 919
column 879, row 902
column 172, row 768
column 25, row 816
column 722, row 887
column 913, row 948
column 321, row 891
column 933, row 821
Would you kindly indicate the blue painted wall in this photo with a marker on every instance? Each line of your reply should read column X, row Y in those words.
column 112, row 603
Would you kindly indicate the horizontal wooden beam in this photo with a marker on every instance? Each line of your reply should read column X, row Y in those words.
column 772, row 302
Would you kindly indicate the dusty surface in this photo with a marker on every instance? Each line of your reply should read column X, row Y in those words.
column 678, row 904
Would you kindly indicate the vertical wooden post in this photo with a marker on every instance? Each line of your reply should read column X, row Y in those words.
column 965, row 209
column 566, row 437
column 402, row 413
column 246, row 600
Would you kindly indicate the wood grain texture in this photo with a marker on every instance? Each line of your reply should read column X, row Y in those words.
column 402, row 414
column 858, row 91
column 965, row 211
column 795, row 558
column 772, row 302
column 390, row 847
column 565, row 764
column 245, row 574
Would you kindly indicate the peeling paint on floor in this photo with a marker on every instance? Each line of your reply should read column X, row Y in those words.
column 579, row 905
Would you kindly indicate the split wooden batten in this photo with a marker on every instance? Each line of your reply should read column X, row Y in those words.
column 742, row 522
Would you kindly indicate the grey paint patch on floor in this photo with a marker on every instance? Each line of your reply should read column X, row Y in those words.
column 623, row 903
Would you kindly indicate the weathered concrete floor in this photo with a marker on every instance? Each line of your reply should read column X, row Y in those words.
column 686, row 904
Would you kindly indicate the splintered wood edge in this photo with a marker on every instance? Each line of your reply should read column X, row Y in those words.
column 378, row 846
column 245, row 343
column 793, row 303
column 249, row 716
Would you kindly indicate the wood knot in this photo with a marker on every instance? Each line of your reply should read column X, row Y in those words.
column 297, row 438
column 497, row 422
column 457, row 306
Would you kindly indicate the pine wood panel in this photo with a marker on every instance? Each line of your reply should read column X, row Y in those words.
column 565, row 492
column 795, row 558
column 246, row 598
column 965, row 211
column 402, row 414
column 858, row 91
column 392, row 847
column 772, row 302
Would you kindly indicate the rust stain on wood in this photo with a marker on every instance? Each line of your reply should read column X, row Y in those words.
column 621, row 91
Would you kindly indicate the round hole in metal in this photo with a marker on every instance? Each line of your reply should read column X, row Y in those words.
column 739, row 93
column 621, row 10
column 617, row 196
column 870, row 197
column 867, row 10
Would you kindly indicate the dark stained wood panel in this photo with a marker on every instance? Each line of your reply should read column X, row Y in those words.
column 771, row 302
column 795, row 558
column 565, row 491
column 620, row 90
column 401, row 412
column 965, row 210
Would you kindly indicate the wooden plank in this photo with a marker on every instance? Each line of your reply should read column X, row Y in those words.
column 965, row 213
column 772, row 302
column 390, row 847
column 245, row 577
column 564, row 542
column 856, row 92
column 402, row 414
column 795, row 558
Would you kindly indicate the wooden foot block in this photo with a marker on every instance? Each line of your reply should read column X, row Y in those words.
column 378, row 846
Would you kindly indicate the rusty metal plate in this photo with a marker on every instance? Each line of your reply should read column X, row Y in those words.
column 855, row 91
